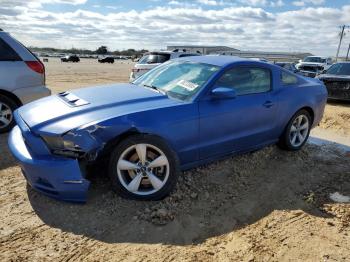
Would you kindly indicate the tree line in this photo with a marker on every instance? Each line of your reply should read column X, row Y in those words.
column 102, row 50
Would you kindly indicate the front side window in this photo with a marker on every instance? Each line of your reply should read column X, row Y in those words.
column 288, row 79
column 246, row 80
column 179, row 79
column 7, row 53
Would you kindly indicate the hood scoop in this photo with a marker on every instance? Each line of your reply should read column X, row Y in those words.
column 71, row 99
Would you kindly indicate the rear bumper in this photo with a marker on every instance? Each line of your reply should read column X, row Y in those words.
column 57, row 177
column 29, row 94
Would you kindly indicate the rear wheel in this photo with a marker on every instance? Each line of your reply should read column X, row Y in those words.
column 297, row 131
column 7, row 106
column 143, row 167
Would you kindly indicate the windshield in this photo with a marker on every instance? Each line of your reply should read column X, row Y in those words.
column 179, row 79
column 339, row 69
column 314, row 59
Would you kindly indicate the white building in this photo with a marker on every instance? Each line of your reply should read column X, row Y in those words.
column 225, row 50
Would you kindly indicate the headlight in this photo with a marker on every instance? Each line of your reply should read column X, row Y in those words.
column 60, row 146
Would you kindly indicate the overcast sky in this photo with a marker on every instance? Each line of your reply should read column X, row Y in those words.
column 269, row 25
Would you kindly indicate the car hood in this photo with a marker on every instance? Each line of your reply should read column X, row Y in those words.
column 330, row 77
column 310, row 64
column 63, row 112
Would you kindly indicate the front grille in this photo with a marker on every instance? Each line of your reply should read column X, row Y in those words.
column 311, row 68
column 342, row 85
column 338, row 89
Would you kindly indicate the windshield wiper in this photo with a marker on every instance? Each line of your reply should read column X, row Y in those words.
column 156, row 88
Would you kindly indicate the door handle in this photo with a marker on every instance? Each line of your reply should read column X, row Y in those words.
column 268, row 104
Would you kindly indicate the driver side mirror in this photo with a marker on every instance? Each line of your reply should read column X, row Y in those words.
column 223, row 93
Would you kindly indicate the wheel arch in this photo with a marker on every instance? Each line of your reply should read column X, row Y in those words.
column 11, row 96
column 307, row 108
column 310, row 111
column 115, row 141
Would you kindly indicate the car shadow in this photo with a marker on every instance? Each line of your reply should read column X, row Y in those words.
column 6, row 159
column 209, row 201
column 337, row 102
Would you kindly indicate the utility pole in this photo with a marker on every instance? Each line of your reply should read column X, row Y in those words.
column 347, row 54
column 341, row 39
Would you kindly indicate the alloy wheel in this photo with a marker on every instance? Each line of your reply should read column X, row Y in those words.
column 299, row 130
column 6, row 115
column 143, row 169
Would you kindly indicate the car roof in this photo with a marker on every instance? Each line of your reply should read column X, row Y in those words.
column 318, row 56
column 218, row 60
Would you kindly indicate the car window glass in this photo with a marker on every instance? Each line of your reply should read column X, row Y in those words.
column 163, row 58
column 288, row 79
column 154, row 58
column 185, row 55
column 179, row 79
column 7, row 53
column 339, row 69
column 246, row 80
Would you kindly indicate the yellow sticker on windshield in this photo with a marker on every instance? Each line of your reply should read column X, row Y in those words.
column 187, row 85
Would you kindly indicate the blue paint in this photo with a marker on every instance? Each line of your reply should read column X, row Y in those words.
column 201, row 129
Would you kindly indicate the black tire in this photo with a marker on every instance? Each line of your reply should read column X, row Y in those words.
column 285, row 139
column 12, row 106
column 171, row 156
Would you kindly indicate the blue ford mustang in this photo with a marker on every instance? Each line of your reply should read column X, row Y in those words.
column 181, row 114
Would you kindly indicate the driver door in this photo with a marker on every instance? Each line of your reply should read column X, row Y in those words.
column 239, row 123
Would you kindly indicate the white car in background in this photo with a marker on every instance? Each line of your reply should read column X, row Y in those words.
column 22, row 79
column 152, row 59
column 313, row 65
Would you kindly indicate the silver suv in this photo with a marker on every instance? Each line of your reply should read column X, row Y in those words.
column 152, row 59
column 22, row 79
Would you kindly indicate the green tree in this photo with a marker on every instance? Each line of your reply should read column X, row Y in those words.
column 102, row 50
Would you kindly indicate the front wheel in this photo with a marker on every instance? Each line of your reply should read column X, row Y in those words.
column 7, row 106
column 143, row 167
column 297, row 131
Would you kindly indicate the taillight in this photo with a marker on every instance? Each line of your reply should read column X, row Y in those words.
column 36, row 66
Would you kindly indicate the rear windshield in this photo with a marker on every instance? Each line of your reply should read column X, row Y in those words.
column 154, row 58
column 7, row 53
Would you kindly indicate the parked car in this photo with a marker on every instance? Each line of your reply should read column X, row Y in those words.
column 312, row 65
column 107, row 59
column 152, row 59
column 70, row 58
column 22, row 79
column 261, row 59
column 288, row 66
column 184, row 113
column 337, row 81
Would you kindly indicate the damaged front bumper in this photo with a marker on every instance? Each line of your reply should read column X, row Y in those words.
column 308, row 73
column 58, row 177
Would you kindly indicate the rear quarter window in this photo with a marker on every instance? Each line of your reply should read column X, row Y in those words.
column 7, row 53
column 288, row 79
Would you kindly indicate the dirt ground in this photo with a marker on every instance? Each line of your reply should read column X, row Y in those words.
column 270, row 205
